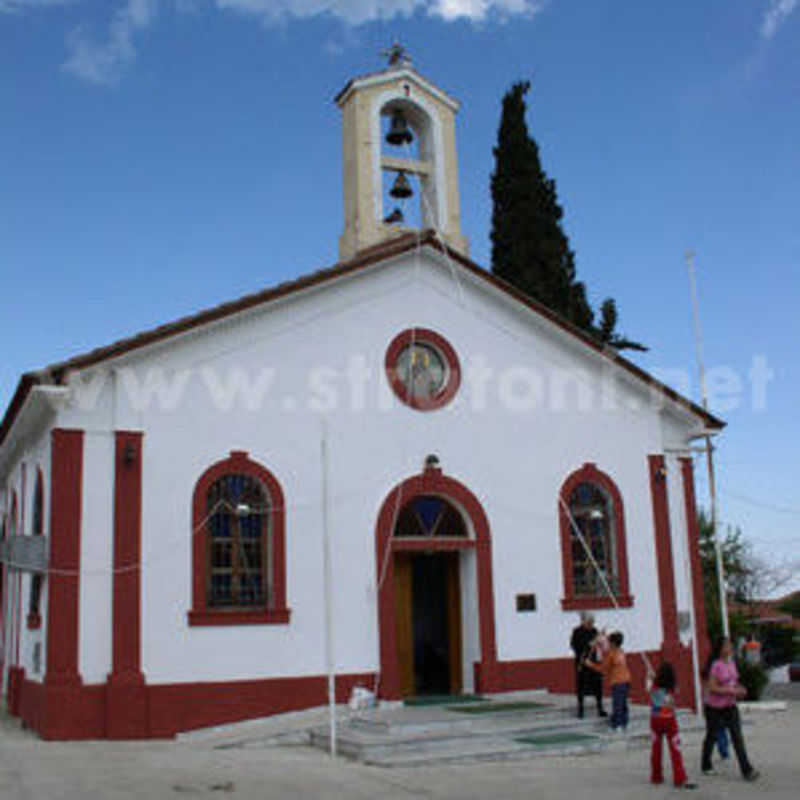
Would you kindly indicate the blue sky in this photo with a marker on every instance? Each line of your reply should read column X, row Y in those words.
column 159, row 156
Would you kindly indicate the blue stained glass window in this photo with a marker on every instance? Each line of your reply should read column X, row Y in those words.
column 238, row 530
column 592, row 512
column 430, row 515
column 428, row 509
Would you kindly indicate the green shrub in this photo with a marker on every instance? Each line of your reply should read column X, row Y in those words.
column 754, row 678
column 777, row 644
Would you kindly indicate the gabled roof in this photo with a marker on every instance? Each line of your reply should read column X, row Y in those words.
column 55, row 374
column 392, row 74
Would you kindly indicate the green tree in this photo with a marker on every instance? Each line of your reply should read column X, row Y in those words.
column 735, row 564
column 529, row 247
column 791, row 605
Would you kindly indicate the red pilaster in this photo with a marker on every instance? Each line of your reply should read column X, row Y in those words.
column 666, row 572
column 693, row 536
column 65, row 557
column 62, row 680
column 126, row 699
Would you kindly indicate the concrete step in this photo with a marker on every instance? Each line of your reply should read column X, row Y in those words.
column 434, row 737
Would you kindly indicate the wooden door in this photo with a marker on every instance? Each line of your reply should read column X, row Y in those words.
column 454, row 621
column 404, row 631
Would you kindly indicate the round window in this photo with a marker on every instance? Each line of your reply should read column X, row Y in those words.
column 423, row 369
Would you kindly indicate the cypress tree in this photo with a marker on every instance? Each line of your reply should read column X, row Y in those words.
column 529, row 247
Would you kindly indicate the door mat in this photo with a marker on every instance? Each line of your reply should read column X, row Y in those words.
column 497, row 708
column 443, row 699
column 546, row 740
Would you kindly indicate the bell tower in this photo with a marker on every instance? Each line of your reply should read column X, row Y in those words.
column 400, row 161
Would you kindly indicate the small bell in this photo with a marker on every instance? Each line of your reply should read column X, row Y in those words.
column 402, row 188
column 395, row 218
column 399, row 132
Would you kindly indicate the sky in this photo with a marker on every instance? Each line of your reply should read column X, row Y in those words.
column 160, row 156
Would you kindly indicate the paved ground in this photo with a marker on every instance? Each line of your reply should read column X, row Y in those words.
column 779, row 687
column 196, row 766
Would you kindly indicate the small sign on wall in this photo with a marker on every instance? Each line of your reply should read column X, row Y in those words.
column 526, row 602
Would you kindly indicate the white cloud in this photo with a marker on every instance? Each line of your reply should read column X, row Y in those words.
column 357, row 12
column 775, row 16
column 101, row 62
column 479, row 9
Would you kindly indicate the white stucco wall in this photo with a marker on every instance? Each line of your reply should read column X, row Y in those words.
column 514, row 462
column 34, row 455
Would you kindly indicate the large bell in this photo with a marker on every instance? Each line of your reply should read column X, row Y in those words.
column 402, row 188
column 399, row 133
column 395, row 218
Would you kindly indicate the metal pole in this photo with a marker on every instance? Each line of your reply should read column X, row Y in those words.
column 712, row 483
column 328, row 583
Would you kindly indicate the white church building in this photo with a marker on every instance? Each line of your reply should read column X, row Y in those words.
column 398, row 469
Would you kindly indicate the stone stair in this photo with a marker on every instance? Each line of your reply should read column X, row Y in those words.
column 416, row 736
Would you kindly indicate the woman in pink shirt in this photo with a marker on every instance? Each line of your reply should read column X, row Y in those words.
column 723, row 691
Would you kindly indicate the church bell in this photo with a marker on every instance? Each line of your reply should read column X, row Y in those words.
column 399, row 133
column 395, row 218
column 402, row 188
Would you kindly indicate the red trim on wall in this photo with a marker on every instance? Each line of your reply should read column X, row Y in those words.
column 589, row 473
column 663, row 535
column 16, row 676
column 444, row 348
column 424, row 545
column 693, row 537
column 585, row 603
column 126, row 701
column 84, row 711
column 239, row 617
column 125, row 650
column 432, row 481
column 66, row 484
column 200, row 614
column 558, row 675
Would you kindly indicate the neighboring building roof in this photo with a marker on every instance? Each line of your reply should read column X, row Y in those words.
column 55, row 374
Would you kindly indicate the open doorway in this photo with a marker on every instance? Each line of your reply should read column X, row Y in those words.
column 428, row 597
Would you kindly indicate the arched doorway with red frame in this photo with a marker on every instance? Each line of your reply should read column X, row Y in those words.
column 393, row 553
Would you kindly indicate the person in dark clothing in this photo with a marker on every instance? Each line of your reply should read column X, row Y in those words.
column 587, row 681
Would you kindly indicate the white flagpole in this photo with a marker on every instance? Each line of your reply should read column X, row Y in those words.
column 328, row 583
column 712, row 484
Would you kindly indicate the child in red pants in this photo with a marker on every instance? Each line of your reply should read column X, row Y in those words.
column 663, row 723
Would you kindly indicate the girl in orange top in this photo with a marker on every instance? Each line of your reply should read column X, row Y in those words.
column 615, row 668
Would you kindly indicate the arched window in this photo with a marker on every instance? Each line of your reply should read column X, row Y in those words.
column 34, row 601
column 429, row 515
column 238, row 549
column 593, row 549
column 38, row 505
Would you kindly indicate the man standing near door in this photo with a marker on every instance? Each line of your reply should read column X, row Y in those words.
column 586, row 680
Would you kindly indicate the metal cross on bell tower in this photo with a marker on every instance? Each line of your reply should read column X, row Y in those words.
column 398, row 56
